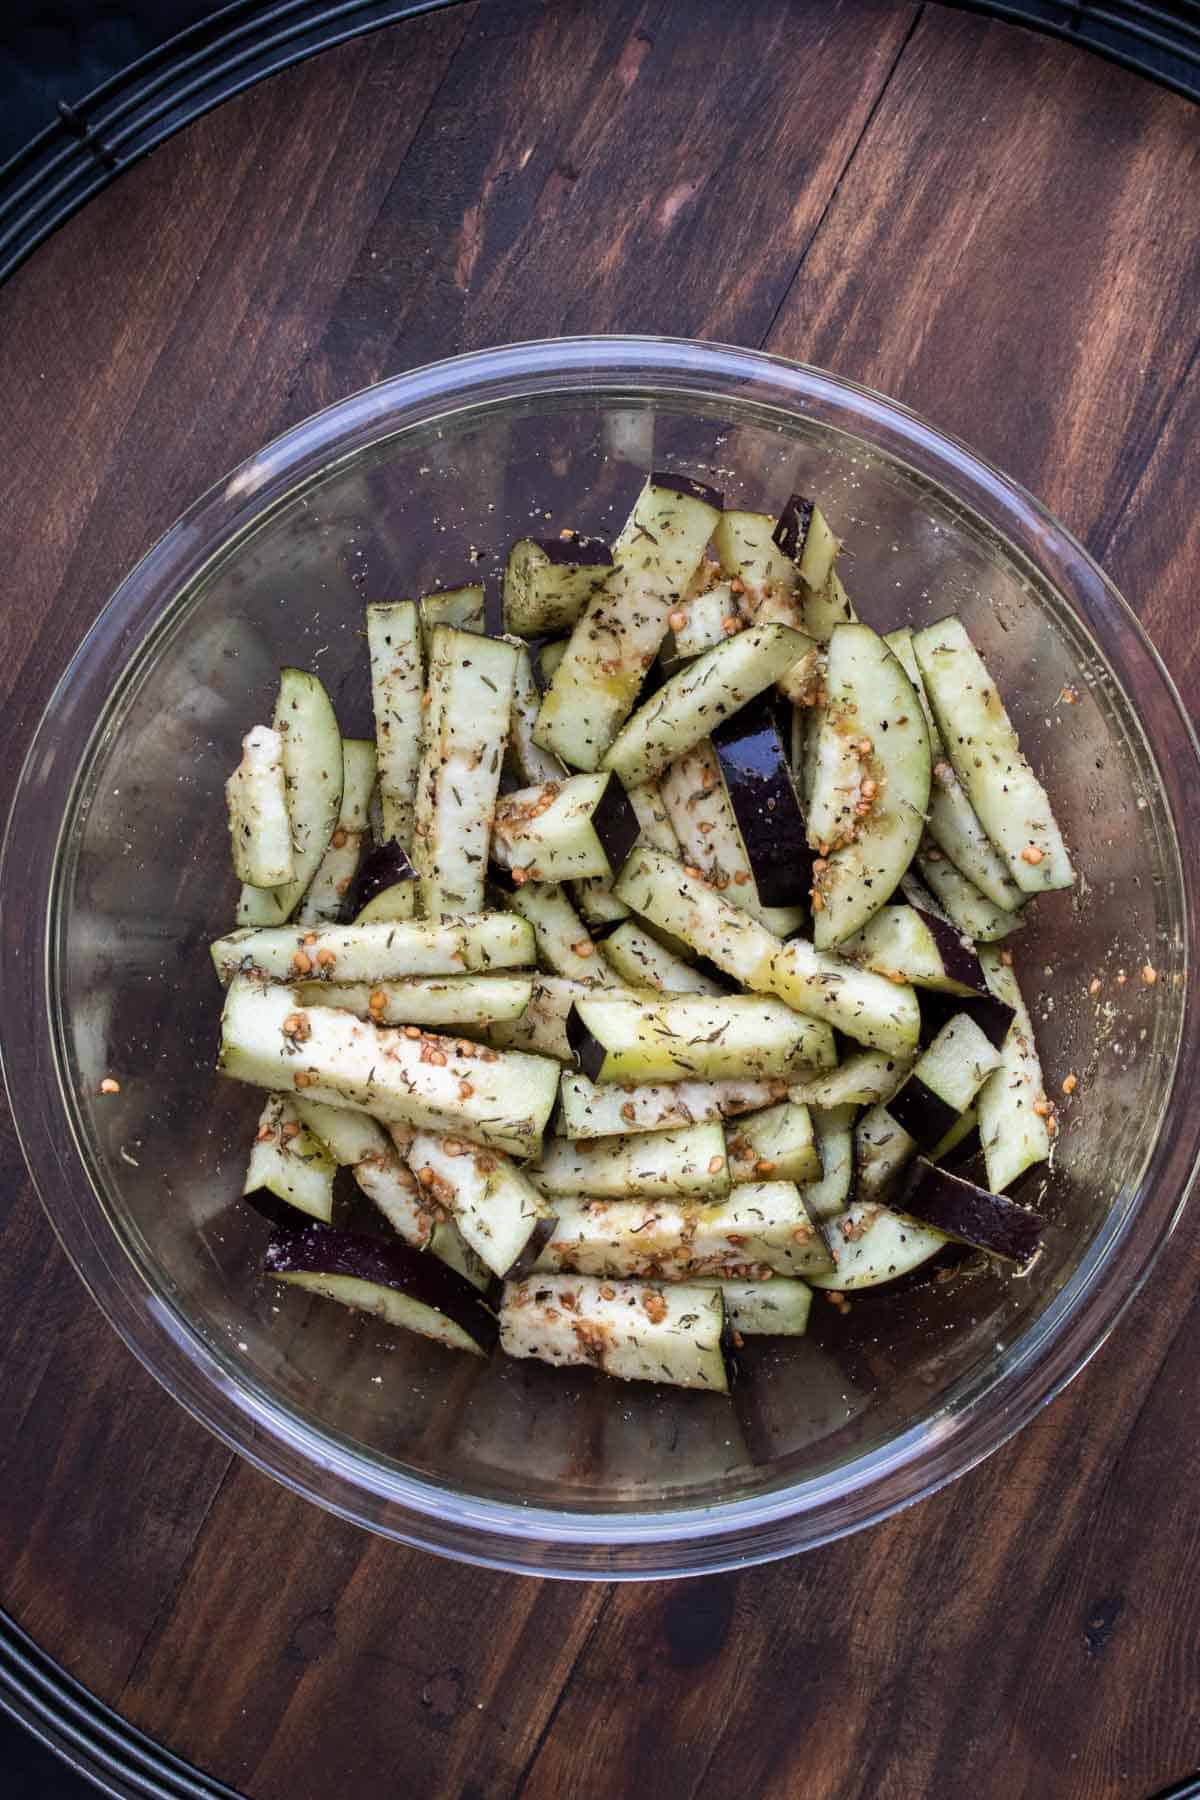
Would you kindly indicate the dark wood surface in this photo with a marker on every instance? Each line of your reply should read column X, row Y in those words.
column 996, row 229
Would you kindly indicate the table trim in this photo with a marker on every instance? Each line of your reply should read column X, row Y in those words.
column 87, row 1735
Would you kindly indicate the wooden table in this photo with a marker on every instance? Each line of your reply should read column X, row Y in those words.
column 990, row 226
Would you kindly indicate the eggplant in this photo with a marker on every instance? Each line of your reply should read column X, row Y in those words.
column 924, row 1115
column 617, row 637
column 616, row 825
column 259, row 826
column 549, row 581
column 313, row 769
column 677, row 1037
column 992, row 1016
column 971, row 1214
column 637, row 1331
column 804, row 536
column 384, row 866
column 944, row 1082
column 673, row 482
column 385, row 1277
column 758, row 780
column 397, row 690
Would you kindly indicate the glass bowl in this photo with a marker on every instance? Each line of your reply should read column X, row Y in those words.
column 116, row 875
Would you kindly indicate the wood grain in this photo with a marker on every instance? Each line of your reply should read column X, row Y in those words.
column 995, row 229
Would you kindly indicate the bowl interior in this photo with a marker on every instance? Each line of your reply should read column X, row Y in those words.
column 143, row 883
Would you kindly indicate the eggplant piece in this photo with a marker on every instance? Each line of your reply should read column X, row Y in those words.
column 564, row 946
column 864, row 1078
column 872, row 1245
column 461, row 609
column 703, row 693
column 1014, row 1133
column 953, row 822
column 326, row 896
column 397, row 689
column 260, row 830
column 384, row 866
column 290, row 1168
column 654, row 823
column 687, row 1164
column 588, row 1111
column 759, row 783
column 398, row 902
column 359, row 1144
column 574, row 828
column 976, row 916
column 502, row 1217
column 867, row 826
column 833, row 1128
column 970, row 1214
column 779, row 1307
column 501, row 1099
column 678, row 1037
column 532, row 763
column 599, row 905
column 642, row 961
column 620, row 631
column 549, row 581
column 804, row 536
column 747, row 552
column 777, row 1144
column 757, row 1228
column 387, row 1278
column 634, row 1330
column 982, row 744
column 471, row 682
column 882, row 1151
column 863, row 1005
column 546, row 659
column 312, row 765
column 447, row 1002
column 709, row 840
column 381, row 951
column 944, row 1082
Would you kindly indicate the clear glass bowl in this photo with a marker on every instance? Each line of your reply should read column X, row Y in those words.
column 115, row 876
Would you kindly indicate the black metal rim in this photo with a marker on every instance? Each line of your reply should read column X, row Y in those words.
column 94, row 138
column 88, row 1736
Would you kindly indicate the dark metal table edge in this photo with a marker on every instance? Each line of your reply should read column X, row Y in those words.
column 95, row 138
column 88, row 1735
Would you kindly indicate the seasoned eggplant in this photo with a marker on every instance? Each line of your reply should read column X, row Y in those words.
column 384, row 866
column 971, row 1214
column 758, row 780
column 549, row 581
column 635, row 1330
column 388, row 1278
column 678, row 1037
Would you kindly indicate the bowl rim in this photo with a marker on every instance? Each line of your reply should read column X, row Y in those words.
column 579, row 1542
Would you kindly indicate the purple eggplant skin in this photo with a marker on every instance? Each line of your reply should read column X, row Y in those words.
column 761, row 791
column 615, row 824
column 992, row 1016
column 574, row 552
column 922, row 1113
column 589, row 1052
column 971, row 1214
column 387, row 1262
column 792, row 528
column 538, row 1238
column 675, row 483
column 382, row 867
